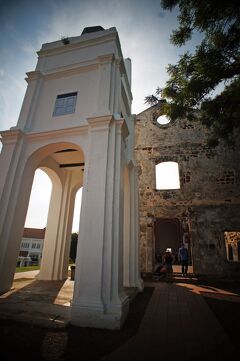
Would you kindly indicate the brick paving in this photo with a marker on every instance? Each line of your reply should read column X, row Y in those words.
column 177, row 325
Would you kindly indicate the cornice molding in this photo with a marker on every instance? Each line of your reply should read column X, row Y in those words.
column 59, row 132
column 67, row 72
column 61, row 72
column 71, row 70
column 11, row 136
column 83, row 43
column 120, row 64
column 106, row 58
column 100, row 121
column 122, row 127
column 33, row 75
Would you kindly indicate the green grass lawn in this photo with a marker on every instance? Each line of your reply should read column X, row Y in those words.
column 29, row 268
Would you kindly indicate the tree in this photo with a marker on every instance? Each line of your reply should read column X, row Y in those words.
column 205, row 84
column 73, row 246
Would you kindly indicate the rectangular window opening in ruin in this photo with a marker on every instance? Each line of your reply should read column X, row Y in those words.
column 232, row 243
column 167, row 176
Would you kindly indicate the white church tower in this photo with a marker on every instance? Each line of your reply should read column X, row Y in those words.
column 76, row 125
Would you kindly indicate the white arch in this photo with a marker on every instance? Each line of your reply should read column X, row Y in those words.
column 17, row 190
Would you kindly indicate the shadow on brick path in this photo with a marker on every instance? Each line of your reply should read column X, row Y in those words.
column 185, row 320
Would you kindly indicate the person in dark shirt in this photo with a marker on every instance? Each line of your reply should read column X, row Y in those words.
column 168, row 260
column 183, row 258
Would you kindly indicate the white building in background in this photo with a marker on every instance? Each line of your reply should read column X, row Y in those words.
column 76, row 125
column 31, row 247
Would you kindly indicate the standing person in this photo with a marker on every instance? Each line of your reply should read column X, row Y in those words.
column 183, row 258
column 168, row 260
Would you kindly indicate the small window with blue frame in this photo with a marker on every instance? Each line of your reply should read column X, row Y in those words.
column 65, row 104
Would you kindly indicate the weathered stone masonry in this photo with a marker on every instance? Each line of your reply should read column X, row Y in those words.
column 207, row 203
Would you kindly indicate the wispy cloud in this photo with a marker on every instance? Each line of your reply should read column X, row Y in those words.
column 144, row 35
column 144, row 31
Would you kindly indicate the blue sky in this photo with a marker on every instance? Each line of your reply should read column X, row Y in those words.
column 143, row 27
column 144, row 30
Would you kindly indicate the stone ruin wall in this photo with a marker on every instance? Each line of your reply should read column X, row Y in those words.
column 208, row 200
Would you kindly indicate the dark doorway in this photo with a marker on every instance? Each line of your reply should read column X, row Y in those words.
column 168, row 234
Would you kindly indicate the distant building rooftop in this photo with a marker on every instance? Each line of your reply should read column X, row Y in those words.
column 34, row 233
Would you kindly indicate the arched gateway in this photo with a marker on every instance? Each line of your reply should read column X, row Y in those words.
column 76, row 125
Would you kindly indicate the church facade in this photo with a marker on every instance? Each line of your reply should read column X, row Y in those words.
column 202, row 211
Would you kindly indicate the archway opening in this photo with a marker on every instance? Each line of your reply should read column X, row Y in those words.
column 171, row 233
column 32, row 242
column 31, row 247
column 232, row 243
column 51, row 217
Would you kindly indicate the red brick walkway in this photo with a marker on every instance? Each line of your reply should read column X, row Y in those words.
column 178, row 325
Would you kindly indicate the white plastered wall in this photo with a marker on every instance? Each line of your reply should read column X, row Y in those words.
column 93, row 66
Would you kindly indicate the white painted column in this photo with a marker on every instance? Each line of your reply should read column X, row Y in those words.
column 117, row 302
column 11, row 152
column 66, row 210
column 131, row 235
column 54, row 265
column 49, row 263
column 134, row 273
column 105, row 85
column 87, row 306
column 127, row 232
column 117, row 89
column 131, row 262
column 31, row 99
column 67, row 243
column 99, row 300
column 14, row 203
